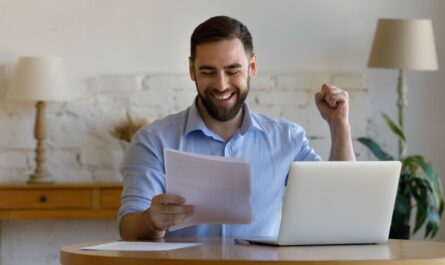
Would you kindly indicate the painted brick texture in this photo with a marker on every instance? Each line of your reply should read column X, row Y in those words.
column 81, row 148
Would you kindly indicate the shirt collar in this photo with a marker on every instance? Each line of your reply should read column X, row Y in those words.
column 248, row 121
column 195, row 122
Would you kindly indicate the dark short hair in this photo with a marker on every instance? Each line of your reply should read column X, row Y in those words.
column 220, row 28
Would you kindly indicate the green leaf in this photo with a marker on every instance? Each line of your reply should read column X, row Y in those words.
column 402, row 210
column 410, row 164
column 394, row 127
column 409, row 168
column 433, row 224
column 416, row 162
column 427, row 209
column 376, row 150
column 441, row 206
column 421, row 190
column 430, row 230
column 420, row 218
column 433, row 178
column 396, row 130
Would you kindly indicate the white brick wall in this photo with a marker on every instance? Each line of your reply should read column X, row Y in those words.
column 80, row 147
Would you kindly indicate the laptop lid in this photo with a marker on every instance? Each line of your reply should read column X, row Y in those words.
column 338, row 202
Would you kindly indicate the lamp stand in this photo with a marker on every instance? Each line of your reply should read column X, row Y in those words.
column 41, row 175
column 402, row 101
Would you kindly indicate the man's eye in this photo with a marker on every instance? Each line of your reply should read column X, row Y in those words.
column 207, row 72
column 233, row 72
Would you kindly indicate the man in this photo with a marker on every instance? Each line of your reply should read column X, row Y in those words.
column 219, row 123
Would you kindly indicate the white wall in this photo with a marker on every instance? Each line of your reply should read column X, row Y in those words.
column 147, row 37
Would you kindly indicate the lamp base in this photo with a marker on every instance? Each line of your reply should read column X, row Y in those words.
column 39, row 178
column 40, row 175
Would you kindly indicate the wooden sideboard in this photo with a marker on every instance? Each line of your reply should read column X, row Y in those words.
column 59, row 201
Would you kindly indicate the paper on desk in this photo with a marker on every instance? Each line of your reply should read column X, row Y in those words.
column 139, row 246
column 218, row 187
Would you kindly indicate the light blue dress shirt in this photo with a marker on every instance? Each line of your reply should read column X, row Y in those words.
column 269, row 145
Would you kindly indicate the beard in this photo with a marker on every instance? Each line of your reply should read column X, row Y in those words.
column 222, row 114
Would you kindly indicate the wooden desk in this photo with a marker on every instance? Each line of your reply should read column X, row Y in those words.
column 59, row 201
column 223, row 251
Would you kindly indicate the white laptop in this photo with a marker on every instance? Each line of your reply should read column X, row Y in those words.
column 337, row 203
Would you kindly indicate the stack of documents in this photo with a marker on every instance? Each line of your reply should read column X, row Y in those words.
column 218, row 187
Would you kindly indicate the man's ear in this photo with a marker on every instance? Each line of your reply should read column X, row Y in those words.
column 192, row 70
column 252, row 65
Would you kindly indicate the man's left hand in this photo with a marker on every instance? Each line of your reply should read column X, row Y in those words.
column 333, row 104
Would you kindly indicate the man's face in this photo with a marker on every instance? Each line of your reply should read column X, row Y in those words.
column 221, row 71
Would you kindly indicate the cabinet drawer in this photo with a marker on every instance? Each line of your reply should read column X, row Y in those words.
column 49, row 199
column 111, row 198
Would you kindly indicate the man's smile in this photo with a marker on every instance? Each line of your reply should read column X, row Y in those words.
column 223, row 96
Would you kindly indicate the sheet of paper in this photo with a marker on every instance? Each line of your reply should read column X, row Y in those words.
column 218, row 187
column 139, row 246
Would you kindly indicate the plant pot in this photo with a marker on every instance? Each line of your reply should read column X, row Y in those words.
column 399, row 232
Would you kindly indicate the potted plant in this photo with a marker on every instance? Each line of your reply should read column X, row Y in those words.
column 419, row 189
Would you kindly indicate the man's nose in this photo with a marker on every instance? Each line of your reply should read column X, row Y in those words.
column 221, row 82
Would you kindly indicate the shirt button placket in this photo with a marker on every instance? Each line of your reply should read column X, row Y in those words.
column 227, row 150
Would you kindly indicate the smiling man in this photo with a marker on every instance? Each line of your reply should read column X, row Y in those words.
column 221, row 72
column 219, row 123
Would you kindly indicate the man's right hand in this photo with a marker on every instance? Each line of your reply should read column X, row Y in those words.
column 167, row 210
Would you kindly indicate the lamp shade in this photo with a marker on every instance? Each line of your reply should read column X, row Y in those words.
column 39, row 79
column 404, row 44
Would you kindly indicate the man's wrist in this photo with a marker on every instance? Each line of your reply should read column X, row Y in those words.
column 341, row 138
column 341, row 128
column 150, row 226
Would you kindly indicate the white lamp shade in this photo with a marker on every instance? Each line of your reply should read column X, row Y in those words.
column 39, row 79
column 404, row 44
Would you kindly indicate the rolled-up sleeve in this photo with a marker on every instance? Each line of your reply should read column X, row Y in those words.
column 143, row 172
column 305, row 151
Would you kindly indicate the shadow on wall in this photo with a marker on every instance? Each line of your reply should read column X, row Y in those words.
column 6, row 70
column 3, row 81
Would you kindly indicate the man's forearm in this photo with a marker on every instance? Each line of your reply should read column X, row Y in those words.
column 138, row 225
column 341, row 148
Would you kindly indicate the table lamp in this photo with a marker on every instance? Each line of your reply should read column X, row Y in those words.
column 39, row 79
column 404, row 44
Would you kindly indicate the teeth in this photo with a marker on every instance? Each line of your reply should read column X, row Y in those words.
column 222, row 96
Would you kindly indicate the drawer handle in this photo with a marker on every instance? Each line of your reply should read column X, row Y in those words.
column 43, row 198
